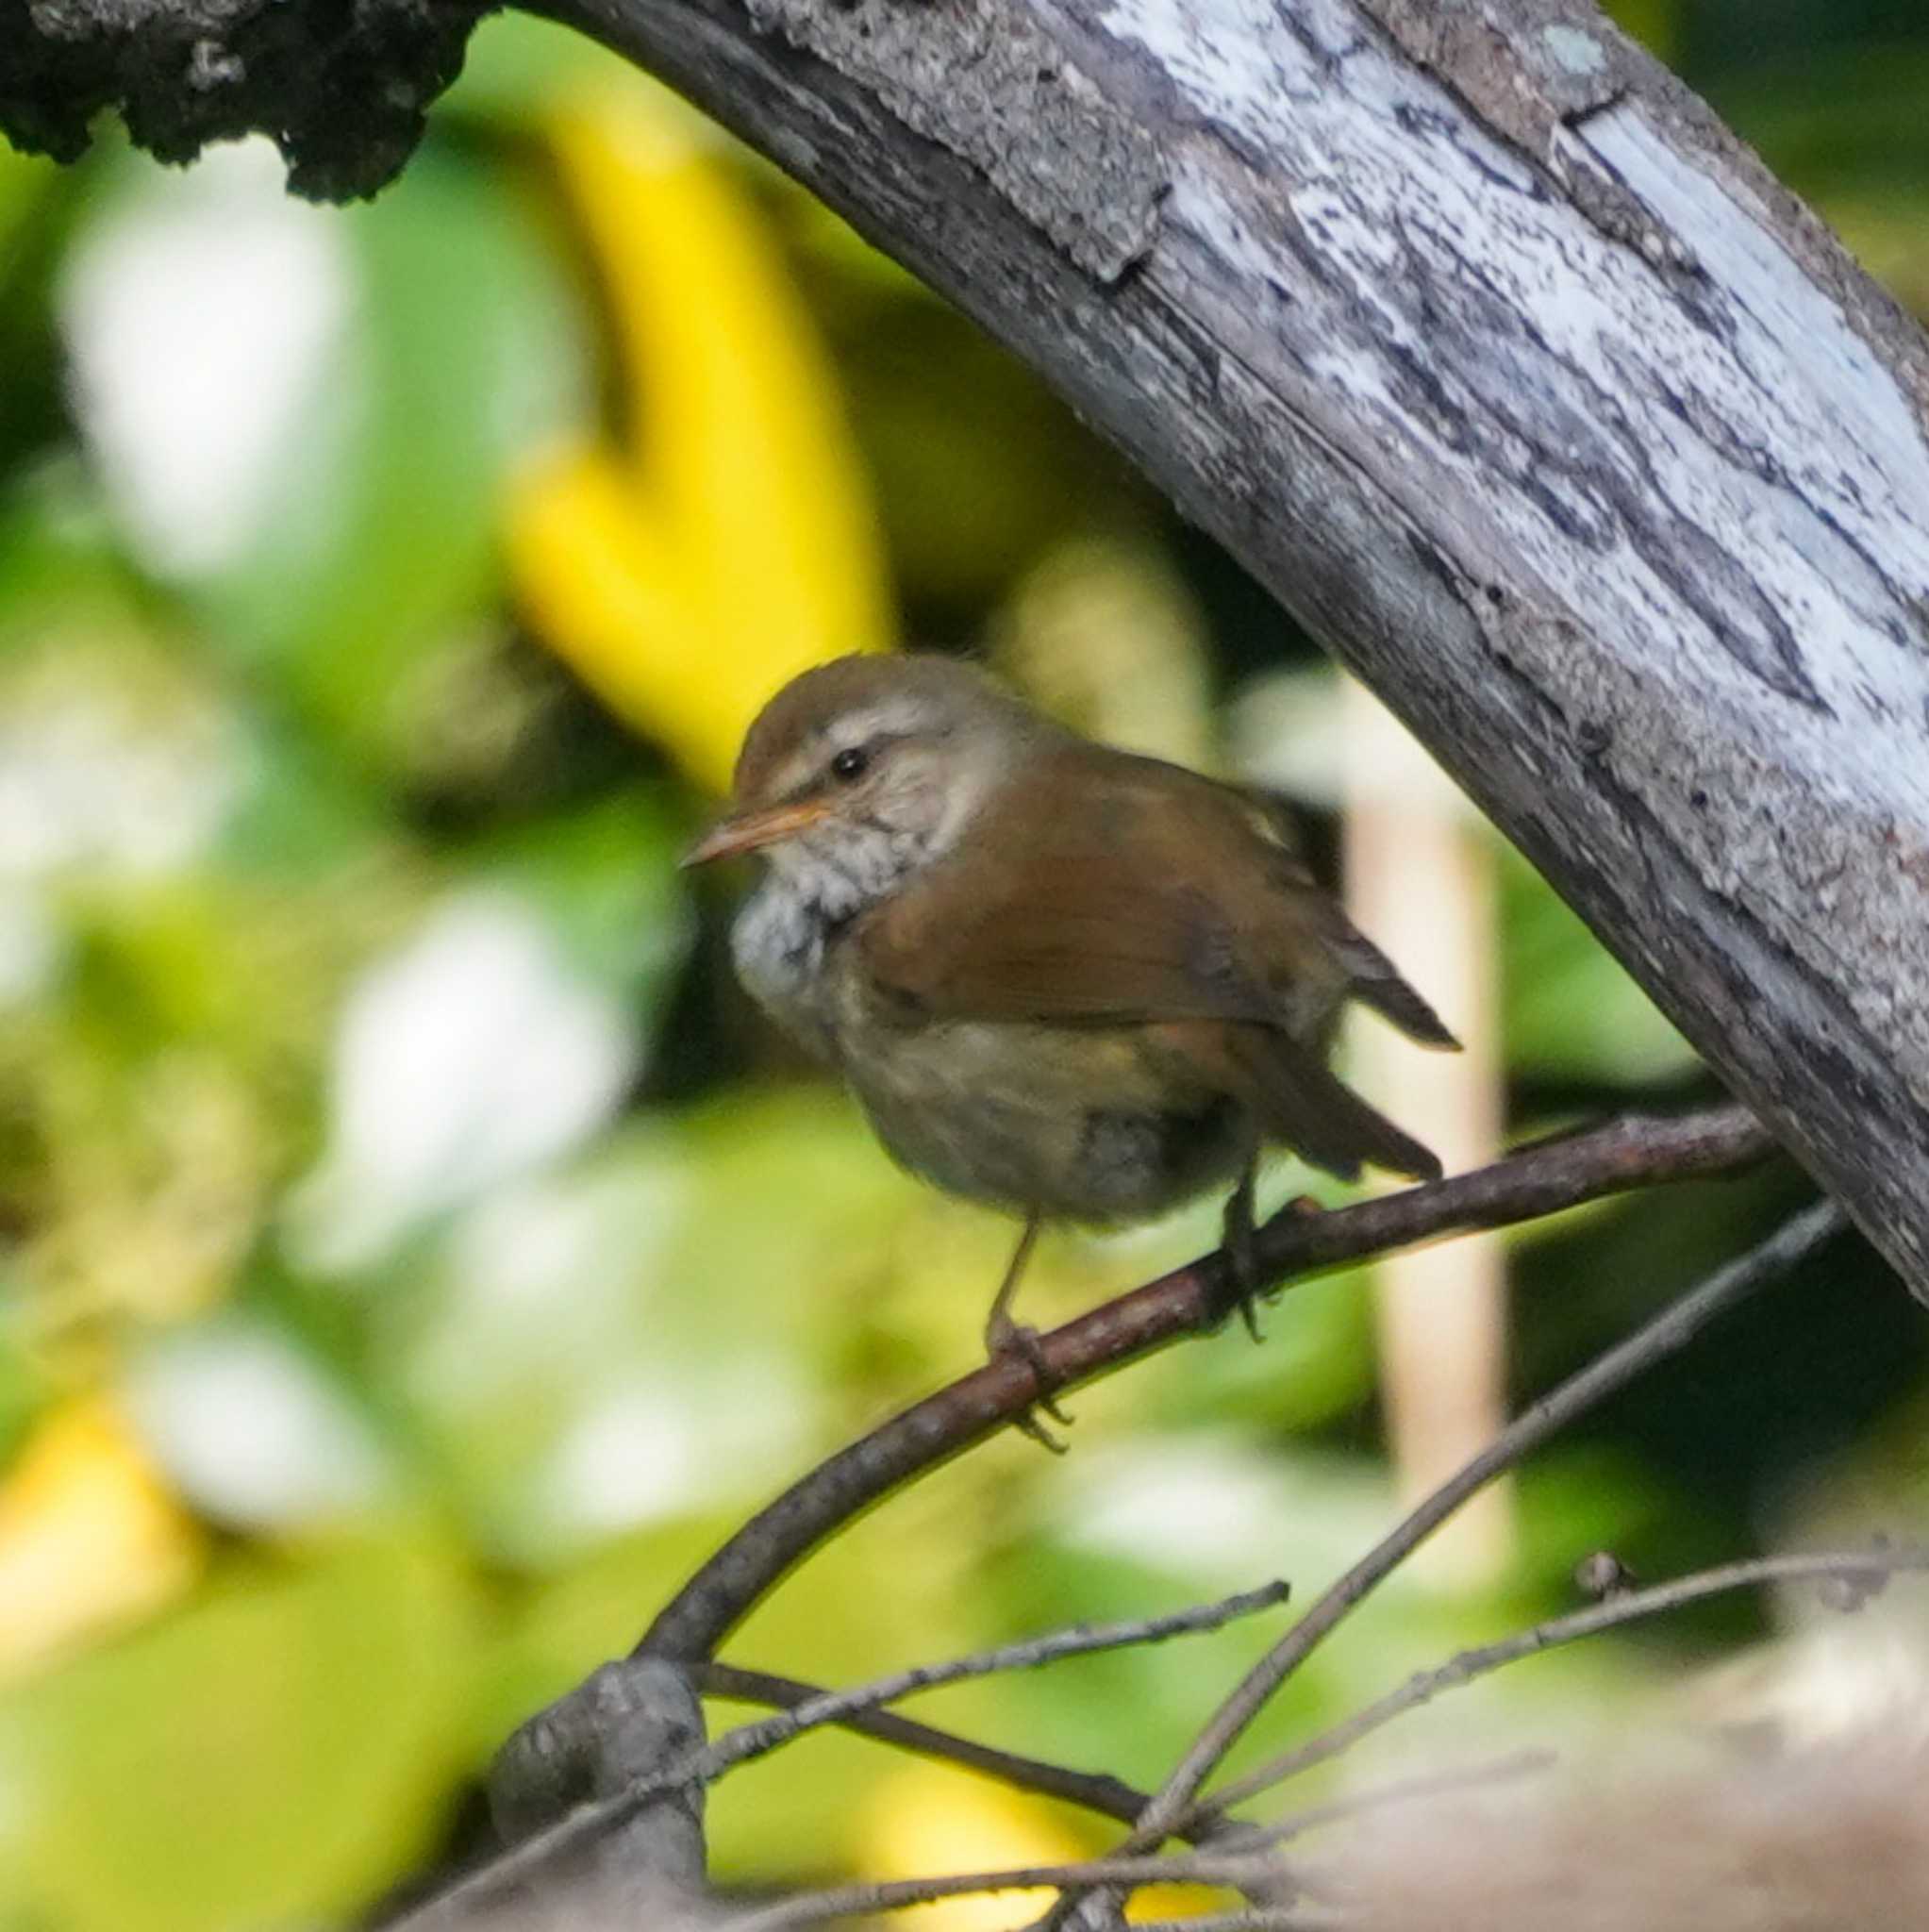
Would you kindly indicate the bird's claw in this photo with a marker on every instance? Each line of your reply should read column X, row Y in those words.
column 1241, row 1253
column 1243, row 1266
column 1005, row 1337
column 1242, row 1262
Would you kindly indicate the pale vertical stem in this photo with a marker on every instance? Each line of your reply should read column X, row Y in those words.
column 1420, row 881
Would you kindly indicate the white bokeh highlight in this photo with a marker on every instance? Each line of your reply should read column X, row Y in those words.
column 200, row 318
column 668, row 1440
column 250, row 1431
column 470, row 1056
column 92, row 779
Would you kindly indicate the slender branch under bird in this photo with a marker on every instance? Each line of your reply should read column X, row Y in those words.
column 1633, row 1150
column 1620, row 1156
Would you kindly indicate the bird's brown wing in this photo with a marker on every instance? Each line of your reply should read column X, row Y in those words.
column 1163, row 900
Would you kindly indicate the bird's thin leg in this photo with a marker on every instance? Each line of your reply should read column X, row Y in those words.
column 1003, row 1336
column 1000, row 1329
column 1238, row 1246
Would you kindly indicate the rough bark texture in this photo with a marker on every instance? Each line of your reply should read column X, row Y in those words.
column 342, row 85
column 619, row 1728
column 1517, row 379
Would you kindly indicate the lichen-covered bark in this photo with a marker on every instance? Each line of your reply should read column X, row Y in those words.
column 1485, row 346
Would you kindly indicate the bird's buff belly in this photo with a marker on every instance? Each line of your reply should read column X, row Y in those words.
column 1074, row 1125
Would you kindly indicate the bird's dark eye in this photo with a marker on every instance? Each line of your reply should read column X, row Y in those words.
column 850, row 764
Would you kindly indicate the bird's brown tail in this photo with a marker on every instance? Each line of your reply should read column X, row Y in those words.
column 1299, row 1101
column 1374, row 981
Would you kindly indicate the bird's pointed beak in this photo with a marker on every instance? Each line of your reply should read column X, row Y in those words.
column 749, row 831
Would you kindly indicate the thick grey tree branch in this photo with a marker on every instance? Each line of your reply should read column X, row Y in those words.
column 1464, row 326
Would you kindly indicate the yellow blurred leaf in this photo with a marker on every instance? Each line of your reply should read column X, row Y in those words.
column 732, row 543
column 610, row 597
column 1153, row 1904
column 925, row 1822
column 89, row 1537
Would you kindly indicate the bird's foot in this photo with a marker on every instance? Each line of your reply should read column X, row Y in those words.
column 1244, row 1265
column 1241, row 1253
column 1005, row 1337
column 1242, row 1260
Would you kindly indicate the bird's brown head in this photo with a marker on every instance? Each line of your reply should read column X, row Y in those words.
column 866, row 767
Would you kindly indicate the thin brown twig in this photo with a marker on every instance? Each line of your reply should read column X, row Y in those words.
column 1661, row 1337
column 1635, row 1151
column 1079, row 1640
column 555, row 1841
column 1096, row 1792
column 1464, row 1667
column 895, row 1895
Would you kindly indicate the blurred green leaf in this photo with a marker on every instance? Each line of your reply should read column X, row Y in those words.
column 275, row 1753
column 822, row 1239
column 1889, row 236
column 901, row 1586
column 304, row 815
column 581, row 1617
column 629, row 1301
column 1132, row 1710
column 23, row 180
column 605, row 881
column 1571, row 1009
column 1151, row 1523
column 59, row 570
column 1578, row 1498
column 1316, row 1364
column 516, row 66
column 1656, row 23
column 38, row 202
column 465, row 346
column 1800, row 114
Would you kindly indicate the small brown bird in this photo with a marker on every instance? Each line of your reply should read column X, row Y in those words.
column 1060, row 978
